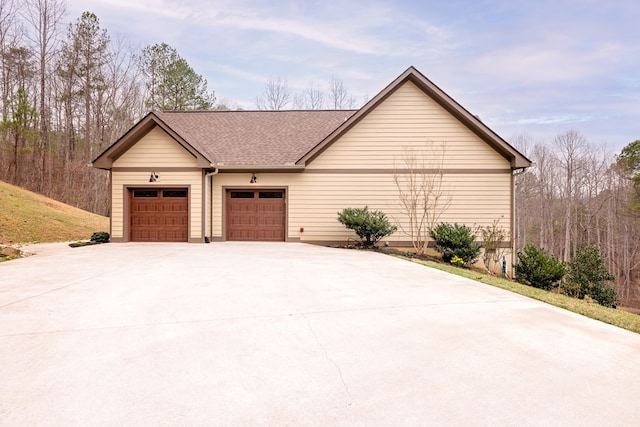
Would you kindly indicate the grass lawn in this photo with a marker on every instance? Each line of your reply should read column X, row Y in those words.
column 27, row 217
column 612, row 316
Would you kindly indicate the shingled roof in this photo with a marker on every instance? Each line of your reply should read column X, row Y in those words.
column 239, row 139
column 254, row 138
column 235, row 140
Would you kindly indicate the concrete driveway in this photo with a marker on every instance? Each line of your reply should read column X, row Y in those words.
column 291, row 334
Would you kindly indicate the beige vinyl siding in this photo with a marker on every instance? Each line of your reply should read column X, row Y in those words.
column 408, row 118
column 156, row 149
column 357, row 170
column 158, row 152
column 191, row 179
column 313, row 200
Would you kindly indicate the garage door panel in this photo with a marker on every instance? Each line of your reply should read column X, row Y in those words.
column 269, row 235
column 242, row 235
column 172, row 236
column 144, row 235
column 159, row 215
column 266, row 208
column 144, row 221
column 174, row 207
column 270, row 222
column 243, row 207
column 255, row 215
column 175, row 221
column 239, row 221
column 145, row 207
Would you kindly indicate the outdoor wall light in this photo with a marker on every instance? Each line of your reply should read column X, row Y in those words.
column 154, row 177
column 254, row 178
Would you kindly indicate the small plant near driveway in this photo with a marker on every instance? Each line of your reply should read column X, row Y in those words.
column 458, row 262
column 455, row 240
column 370, row 226
column 96, row 238
column 100, row 237
column 588, row 276
column 536, row 268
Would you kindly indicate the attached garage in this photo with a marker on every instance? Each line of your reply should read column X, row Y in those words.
column 159, row 214
column 256, row 215
column 212, row 176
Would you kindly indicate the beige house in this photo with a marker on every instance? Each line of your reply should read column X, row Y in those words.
column 284, row 175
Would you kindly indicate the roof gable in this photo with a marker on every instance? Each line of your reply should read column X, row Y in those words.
column 233, row 140
column 516, row 159
column 138, row 131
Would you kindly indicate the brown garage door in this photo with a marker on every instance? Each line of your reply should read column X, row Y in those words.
column 159, row 215
column 255, row 215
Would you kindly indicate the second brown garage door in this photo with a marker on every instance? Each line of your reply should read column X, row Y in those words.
column 255, row 215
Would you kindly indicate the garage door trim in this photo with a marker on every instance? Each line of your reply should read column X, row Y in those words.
column 225, row 216
column 127, row 194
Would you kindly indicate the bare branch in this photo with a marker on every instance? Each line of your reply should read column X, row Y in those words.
column 419, row 178
column 276, row 95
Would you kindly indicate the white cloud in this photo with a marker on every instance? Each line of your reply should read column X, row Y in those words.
column 519, row 65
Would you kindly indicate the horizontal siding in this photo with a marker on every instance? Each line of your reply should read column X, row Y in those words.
column 409, row 118
column 314, row 200
column 155, row 150
column 122, row 179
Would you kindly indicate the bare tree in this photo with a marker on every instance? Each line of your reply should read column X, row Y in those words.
column 419, row 178
column 571, row 147
column 312, row 98
column 44, row 17
column 339, row 96
column 493, row 237
column 276, row 95
column 577, row 194
column 525, row 183
column 9, row 35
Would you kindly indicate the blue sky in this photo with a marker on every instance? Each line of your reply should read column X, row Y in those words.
column 537, row 67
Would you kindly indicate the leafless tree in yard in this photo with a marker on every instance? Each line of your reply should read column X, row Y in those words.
column 423, row 196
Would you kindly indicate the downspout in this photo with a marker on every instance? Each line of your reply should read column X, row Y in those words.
column 209, row 200
column 516, row 172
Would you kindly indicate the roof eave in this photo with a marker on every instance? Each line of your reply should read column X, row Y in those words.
column 260, row 168
column 516, row 159
column 145, row 125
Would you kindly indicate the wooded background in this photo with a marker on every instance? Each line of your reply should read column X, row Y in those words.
column 578, row 194
column 68, row 90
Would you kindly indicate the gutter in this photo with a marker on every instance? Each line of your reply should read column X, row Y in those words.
column 519, row 171
column 209, row 199
column 514, row 174
column 261, row 168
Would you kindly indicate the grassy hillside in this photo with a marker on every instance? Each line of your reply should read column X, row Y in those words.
column 27, row 217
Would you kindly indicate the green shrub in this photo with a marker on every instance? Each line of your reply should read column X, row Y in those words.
column 370, row 226
column 100, row 237
column 604, row 295
column 456, row 240
column 536, row 268
column 570, row 289
column 588, row 273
